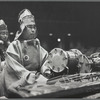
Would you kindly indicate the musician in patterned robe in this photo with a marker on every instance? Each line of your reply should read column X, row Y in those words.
column 24, row 56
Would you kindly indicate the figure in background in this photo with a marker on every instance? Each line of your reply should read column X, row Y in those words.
column 24, row 56
column 4, row 42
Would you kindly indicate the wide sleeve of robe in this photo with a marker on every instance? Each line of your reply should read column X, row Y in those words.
column 14, row 60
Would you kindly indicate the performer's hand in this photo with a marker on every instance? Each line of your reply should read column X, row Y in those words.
column 37, row 75
column 31, row 79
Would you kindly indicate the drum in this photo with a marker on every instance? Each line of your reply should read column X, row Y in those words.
column 60, row 62
column 56, row 63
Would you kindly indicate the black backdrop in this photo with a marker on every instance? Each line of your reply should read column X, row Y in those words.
column 81, row 19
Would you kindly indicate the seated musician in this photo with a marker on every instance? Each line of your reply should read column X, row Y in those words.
column 24, row 55
column 4, row 42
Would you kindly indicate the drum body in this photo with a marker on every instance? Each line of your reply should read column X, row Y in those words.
column 60, row 62
column 72, row 62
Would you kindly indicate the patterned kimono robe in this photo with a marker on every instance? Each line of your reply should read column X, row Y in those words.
column 22, row 58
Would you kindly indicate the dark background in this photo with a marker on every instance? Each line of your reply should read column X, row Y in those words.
column 80, row 19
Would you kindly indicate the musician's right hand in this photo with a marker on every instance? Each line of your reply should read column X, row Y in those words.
column 31, row 79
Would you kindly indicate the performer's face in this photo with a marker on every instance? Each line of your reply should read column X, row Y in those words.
column 29, row 32
column 4, row 35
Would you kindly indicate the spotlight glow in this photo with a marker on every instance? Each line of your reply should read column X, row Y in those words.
column 68, row 34
column 50, row 34
column 59, row 40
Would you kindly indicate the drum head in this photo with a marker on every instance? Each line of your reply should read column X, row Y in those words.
column 58, row 60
